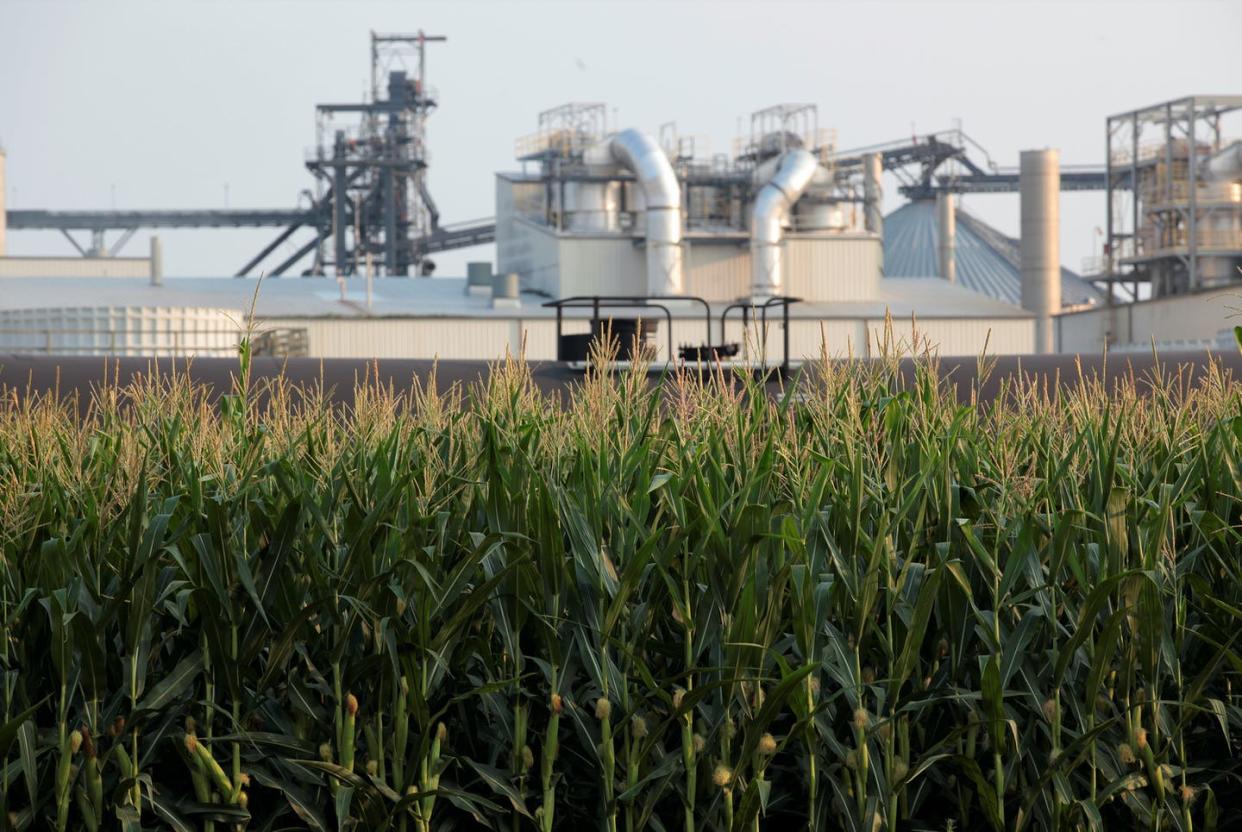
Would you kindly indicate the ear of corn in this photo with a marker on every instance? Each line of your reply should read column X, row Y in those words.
column 864, row 606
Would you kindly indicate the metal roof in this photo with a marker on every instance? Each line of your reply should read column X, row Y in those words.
column 988, row 261
column 442, row 297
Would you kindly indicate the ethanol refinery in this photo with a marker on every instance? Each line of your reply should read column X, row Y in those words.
column 775, row 252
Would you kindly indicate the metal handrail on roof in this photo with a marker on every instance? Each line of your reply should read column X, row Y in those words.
column 784, row 302
column 598, row 302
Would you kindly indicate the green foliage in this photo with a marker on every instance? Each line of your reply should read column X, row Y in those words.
column 864, row 606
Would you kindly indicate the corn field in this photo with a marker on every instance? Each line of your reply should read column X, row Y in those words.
column 863, row 607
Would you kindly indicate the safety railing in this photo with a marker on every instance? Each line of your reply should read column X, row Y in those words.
column 747, row 308
column 1178, row 191
column 1154, row 242
column 556, row 142
column 1096, row 264
column 599, row 302
column 1158, row 149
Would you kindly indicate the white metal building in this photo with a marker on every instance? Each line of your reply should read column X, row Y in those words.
column 619, row 214
column 439, row 317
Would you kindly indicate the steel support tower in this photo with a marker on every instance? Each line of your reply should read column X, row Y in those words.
column 1163, row 210
column 373, row 173
column 371, row 200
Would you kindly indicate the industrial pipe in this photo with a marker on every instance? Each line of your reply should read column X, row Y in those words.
column 642, row 156
column 157, row 261
column 1039, row 181
column 873, row 193
column 946, row 235
column 771, row 208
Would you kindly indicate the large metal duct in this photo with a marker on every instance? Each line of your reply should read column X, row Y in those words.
column 946, row 235
column 771, row 208
column 642, row 156
column 1039, row 182
column 873, row 192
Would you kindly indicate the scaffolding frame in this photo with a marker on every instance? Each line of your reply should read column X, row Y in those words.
column 372, row 176
column 1156, row 153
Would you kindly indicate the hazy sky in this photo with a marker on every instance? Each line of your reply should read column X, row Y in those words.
column 113, row 103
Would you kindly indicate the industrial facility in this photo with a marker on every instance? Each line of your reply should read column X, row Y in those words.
column 775, row 252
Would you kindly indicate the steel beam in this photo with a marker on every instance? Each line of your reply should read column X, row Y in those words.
column 294, row 258
column 995, row 183
column 340, row 200
column 123, row 220
column 72, row 241
column 116, row 247
column 268, row 249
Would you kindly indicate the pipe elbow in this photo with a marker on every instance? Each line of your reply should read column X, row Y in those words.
column 768, row 215
column 641, row 154
column 793, row 174
column 796, row 170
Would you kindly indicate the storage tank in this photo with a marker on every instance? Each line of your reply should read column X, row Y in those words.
column 1222, row 194
column 1223, row 231
column 813, row 215
column 122, row 330
column 592, row 206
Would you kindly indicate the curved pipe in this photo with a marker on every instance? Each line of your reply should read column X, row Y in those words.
column 641, row 155
column 772, row 204
column 1227, row 164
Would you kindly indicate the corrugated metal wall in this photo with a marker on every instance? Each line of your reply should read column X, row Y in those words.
column 717, row 272
column 488, row 338
column 843, row 337
column 1012, row 336
column 522, row 246
column 1179, row 318
column 1088, row 332
column 534, row 253
column 122, row 330
column 817, row 268
column 832, row 268
column 75, row 267
column 601, row 266
column 478, row 338
column 505, row 256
